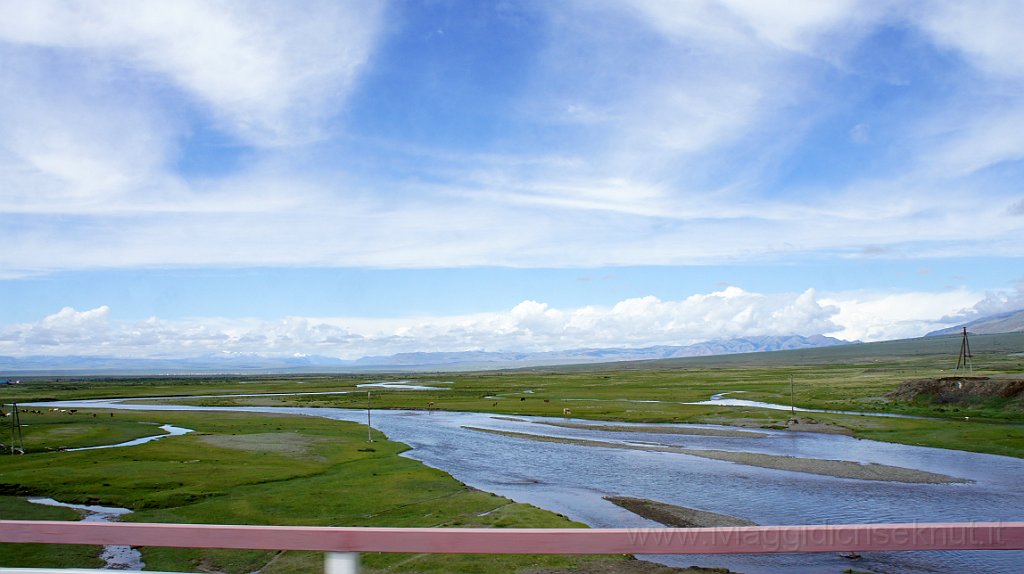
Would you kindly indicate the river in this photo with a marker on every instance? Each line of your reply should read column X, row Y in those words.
column 572, row 480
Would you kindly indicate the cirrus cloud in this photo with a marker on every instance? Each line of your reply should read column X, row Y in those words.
column 269, row 72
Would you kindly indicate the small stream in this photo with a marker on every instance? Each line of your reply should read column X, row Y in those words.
column 406, row 385
column 719, row 400
column 170, row 430
column 115, row 557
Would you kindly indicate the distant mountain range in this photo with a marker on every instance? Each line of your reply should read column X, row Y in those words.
column 447, row 361
column 1009, row 322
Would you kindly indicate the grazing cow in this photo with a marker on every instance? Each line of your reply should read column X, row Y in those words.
column 522, row 398
column 494, row 405
column 547, row 400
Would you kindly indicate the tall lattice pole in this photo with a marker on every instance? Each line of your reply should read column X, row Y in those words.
column 964, row 360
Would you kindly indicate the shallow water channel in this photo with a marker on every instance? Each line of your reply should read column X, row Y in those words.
column 115, row 557
column 573, row 479
column 170, row 430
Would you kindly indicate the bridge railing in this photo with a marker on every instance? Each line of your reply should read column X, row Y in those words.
column 343, row 544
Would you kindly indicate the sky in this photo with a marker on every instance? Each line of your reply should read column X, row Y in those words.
column 350, row 178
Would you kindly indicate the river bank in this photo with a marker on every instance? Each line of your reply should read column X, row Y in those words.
column 827, row 467
column 573, row 481
column 269, row 468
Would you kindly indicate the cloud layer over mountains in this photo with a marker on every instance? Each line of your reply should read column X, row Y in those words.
column 529, row 326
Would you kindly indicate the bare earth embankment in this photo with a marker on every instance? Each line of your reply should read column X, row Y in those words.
column 959, row 390
column 676, row 516
column 836, row 468
column 660, row 429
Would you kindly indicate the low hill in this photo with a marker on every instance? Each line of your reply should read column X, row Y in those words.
column 402, row 362
column 1009, row 322
column 938, row 348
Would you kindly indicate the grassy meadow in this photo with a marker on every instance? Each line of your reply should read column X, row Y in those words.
column 245, row 469
column 847, row 378
column 266, row 469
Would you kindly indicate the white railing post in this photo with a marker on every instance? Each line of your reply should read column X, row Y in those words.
column 341, row 563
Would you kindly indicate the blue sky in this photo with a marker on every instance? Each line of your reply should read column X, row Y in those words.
column 349, row 178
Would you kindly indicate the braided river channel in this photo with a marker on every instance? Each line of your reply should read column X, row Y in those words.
column 572, row 478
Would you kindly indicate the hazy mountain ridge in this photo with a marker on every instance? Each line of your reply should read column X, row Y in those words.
column 460, row 360
column 1009, row 322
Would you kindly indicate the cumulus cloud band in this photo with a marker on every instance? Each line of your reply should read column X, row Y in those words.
column 529, row 326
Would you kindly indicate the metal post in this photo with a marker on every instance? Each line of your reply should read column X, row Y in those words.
column 964, row 358
column 968, row 359
column 369, row 429
column 341, row 563
column 17, row 439
column 792, row 398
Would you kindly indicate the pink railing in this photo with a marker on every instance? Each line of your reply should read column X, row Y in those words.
column 732, row 540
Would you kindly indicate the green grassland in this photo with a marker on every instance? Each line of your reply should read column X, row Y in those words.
column 849, row 378
column 844, row 378
column 45, row 431
column 265, row 469
column 240, row 468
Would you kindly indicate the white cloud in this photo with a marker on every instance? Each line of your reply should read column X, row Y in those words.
column 986, row 33
column 799, row 25
column 978, row 141
column 529, row 326
column 981, row 125
column 78, row 150
column 99, row 96
column 993, row 303
column 67, row 328
column 870, row 316
column 270, row 72
column 662, row 155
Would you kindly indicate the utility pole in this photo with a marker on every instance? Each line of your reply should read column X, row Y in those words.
column 369, row 429
column 965, row 358
column 17, row 441
column 792, row 398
